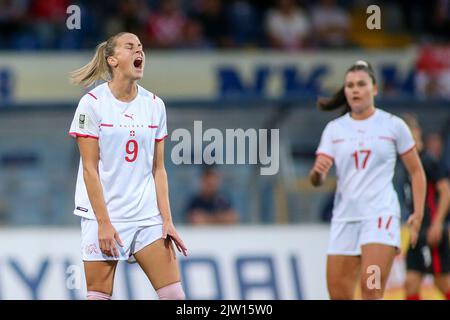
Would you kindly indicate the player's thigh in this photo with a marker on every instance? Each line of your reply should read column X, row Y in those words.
column 159, row 262
column 376, row 263
column 100, row 275
column 342, row 275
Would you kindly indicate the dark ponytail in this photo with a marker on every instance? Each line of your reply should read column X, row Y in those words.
column 338, row 100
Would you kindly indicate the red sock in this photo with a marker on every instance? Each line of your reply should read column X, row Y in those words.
column 413, row 297
column 447, row 295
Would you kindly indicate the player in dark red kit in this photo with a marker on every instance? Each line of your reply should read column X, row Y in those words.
column 431, row 255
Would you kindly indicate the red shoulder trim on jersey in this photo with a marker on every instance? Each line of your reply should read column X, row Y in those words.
column 92, row 95
column 152, row 127
column 159, row 140
column 325, row 155
column 106, row 125
column 76, row 135
column 409, row 150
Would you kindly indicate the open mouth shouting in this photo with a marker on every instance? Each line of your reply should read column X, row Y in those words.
column 138, row 63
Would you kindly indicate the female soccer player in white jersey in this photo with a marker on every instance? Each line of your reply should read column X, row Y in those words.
column 363, row 144
column 122, row 190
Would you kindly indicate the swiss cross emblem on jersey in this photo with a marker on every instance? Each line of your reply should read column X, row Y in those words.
column 132, row 133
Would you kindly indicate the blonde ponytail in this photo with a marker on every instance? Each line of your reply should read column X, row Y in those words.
column 98, row 68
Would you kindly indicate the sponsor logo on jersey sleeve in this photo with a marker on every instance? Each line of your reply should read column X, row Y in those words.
column 82, row 209
column 82, row 121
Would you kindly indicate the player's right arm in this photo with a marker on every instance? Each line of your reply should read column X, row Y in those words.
column 89, row 151
column 85, row 128
column 324, row 157
column 319, row 171
column 406, row 147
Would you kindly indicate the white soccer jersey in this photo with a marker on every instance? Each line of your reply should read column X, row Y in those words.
column 365, row 153
column 126, row 133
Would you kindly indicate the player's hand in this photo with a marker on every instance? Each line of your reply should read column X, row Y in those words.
column 169, row 232
column 320, row 170
column 434, row 234
column 322, row 165
column 107, row 237
column 414, row 223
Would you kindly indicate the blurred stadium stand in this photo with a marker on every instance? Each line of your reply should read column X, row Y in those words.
column 38, row 160
column 209, row 24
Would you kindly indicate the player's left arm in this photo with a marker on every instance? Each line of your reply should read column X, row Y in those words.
column 415, row 170
column 434, row 235
column 443, row 189
column 162, row 196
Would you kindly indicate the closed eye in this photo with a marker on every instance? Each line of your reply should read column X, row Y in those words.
column 131, row 45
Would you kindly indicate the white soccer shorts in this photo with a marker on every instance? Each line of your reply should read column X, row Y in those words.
column 346, row 238
column 135, row 236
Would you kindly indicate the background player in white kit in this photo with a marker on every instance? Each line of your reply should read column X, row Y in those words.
column 122, row 189
column 365, row 229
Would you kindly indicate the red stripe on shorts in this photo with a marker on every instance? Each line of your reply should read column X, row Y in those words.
column 436, row 261
column 389, row 222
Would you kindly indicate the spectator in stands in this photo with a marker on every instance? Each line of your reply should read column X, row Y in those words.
column 212, row 16
column 418, row 15
column 440, row 20
column 129, row 16
column 210, row 206
column 434, row 145
column 194, row 37
column 165, row 26
column 432, row 77
column 331, row 25
column 287, row 26
column 12, row 16
column 49, row 20
column 244, row 23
